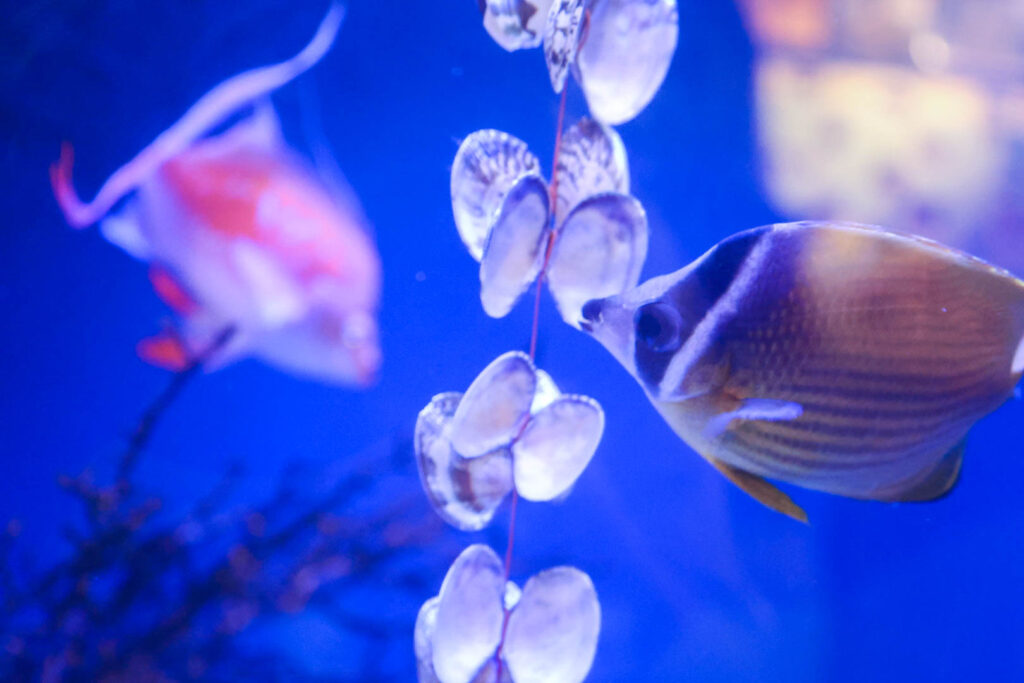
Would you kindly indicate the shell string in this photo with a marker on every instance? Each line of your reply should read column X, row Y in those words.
column 553, row 198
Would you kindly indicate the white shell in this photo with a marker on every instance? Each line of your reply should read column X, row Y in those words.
column 514, row 253
column 592, row 160
column 556, row 446
column 599, row 251
column 512, row 595
column 496, row 405
column 487, row 165
column 489, row 674
column 422, row 636
column 547, row 391
column 469, row 619
column 625, row 56
column 552, row 633
column 515, row 24
column 561, row 39
column 465, row 492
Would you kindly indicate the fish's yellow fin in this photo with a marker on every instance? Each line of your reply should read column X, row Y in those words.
column 760, row 490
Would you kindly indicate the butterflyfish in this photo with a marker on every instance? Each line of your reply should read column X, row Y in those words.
column 837, row 357
column 240, row 233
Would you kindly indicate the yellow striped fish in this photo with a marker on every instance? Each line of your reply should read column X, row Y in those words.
column 838, row 357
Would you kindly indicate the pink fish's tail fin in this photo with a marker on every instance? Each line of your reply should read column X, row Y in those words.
column 77, row 213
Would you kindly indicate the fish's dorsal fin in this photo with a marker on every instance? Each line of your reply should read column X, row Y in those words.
column 917, row 241
column 939, row 481
column 212, row 109
column 259, row 129
column 761, row 490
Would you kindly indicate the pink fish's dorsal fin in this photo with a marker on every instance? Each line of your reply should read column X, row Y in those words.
column 212, row 109
column 259, row 130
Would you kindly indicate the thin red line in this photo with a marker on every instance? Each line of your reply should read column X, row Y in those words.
column 511, row 534
column 558, row 149
column 553, row 202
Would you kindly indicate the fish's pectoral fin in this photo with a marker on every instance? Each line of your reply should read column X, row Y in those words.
column 766, row 409
column 937, row 483
column 165, row 350
column 761, row 490
column 172, row 291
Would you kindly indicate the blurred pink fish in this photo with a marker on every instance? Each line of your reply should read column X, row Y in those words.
column 240, row 234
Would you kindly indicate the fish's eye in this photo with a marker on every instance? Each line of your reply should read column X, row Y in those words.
column 659, row 326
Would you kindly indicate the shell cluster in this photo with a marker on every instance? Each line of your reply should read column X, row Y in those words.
column 503, row 212
column 619, row 51
column 512, row 432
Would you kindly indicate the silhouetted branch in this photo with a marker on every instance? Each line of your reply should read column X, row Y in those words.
column 144, row 429
column 143, row 596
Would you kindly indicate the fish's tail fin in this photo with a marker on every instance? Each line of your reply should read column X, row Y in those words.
column 1017, row 362
column 1017, row 366
column 212, row 109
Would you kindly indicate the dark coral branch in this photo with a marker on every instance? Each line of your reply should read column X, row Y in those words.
column 145, row 597
column 144, row 429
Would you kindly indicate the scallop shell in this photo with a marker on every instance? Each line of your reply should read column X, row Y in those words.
column 487, row 165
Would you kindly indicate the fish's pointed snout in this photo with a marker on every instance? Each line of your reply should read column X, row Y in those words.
column 591, row 314
column 610, row 322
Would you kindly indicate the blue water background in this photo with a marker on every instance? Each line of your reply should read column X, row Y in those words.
column 696, row 581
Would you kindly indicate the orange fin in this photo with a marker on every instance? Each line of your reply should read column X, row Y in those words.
column 761, row 491
column 171, row 291
column 165, row 350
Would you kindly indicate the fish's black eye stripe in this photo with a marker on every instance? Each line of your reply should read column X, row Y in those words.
column 692, row 298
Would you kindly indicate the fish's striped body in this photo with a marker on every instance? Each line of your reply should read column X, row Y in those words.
column 839, row 357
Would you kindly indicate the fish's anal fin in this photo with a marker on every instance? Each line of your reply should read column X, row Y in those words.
column 938, row 482
column 761, row 490
column 165, row 350
column 766, row 409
